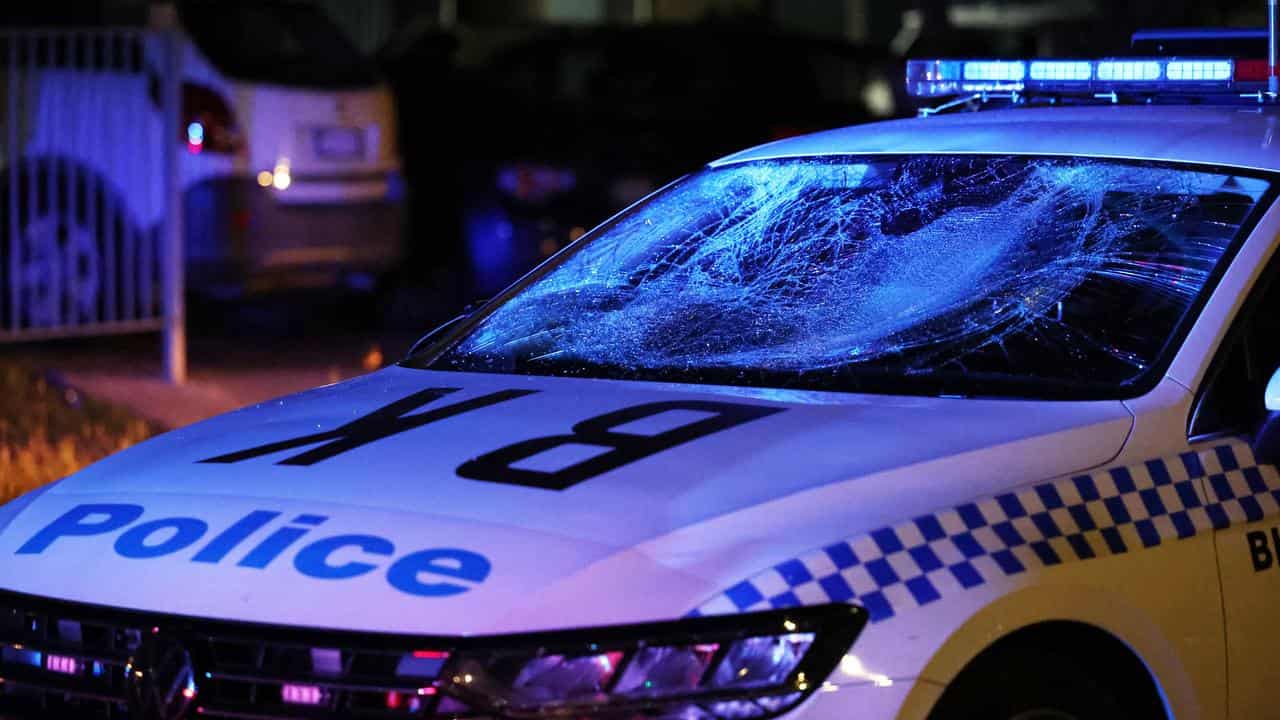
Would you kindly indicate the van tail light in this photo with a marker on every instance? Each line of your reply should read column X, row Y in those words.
column 208, row 124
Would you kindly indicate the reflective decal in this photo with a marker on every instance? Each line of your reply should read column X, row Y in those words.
column 313, row 560
column 433, row 572
column 406, row 575
column 1107, row 512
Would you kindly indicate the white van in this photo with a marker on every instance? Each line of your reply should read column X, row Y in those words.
column 292, row 170
column 287, row 153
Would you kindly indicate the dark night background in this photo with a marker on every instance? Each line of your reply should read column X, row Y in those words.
column 521, row 124
column 524, row 122
column 209, row 205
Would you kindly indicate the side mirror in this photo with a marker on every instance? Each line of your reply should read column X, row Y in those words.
column 1266, row 444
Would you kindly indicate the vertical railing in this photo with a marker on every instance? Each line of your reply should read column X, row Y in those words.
column 92, row 233
column 175, row 339
column 11, row 152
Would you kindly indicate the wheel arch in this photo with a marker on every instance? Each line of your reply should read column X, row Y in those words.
column 1087, row 621
column 1083, row 645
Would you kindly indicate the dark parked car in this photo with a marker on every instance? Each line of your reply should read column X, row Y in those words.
column 516, row 156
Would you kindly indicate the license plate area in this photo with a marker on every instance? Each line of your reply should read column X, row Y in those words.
column 338, row 143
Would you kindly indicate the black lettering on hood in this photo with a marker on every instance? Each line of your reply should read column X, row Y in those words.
column 381, row 423
column 623, row 448
column 620, row 448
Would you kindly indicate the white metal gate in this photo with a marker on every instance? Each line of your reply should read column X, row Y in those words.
column 91, row 229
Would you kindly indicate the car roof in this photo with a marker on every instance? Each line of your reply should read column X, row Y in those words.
column 1241, row 136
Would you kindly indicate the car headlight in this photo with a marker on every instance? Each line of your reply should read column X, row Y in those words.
column 733, row 666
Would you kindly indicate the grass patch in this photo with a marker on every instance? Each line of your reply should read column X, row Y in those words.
column 48, row 431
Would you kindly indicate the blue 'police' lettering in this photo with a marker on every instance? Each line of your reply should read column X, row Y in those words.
column 406, row 573
column 313, row 560
column 270, row 549
column 133, row 544
column 434, row 572
column 74, row 523
column 234, row 535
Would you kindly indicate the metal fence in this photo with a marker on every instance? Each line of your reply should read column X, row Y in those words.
column 88, row 185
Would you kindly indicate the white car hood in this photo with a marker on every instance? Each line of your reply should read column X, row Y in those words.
column 648, row 539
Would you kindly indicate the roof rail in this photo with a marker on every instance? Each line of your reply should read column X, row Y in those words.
column 1231, row 42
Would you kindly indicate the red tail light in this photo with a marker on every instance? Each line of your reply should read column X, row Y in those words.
column 1251, row 71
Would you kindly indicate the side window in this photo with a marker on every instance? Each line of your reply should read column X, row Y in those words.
column 1232, row 401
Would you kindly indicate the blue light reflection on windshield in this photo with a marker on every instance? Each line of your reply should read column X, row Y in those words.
column 921, row 262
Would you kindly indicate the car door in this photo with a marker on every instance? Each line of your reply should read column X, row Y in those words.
column 1243, row 489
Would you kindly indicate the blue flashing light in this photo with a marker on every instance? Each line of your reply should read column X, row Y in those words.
column 937, row 78
column 1128, row 70
column 1062, row 70
column 195, row 133
column 942, row 78
column 1198, row 70
column 19, row 655
column 995, row 70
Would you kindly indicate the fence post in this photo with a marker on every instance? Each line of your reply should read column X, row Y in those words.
column 11, row 155
column 172, row 270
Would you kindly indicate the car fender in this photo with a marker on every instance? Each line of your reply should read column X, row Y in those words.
column 1184, row 651
column 1127, row 549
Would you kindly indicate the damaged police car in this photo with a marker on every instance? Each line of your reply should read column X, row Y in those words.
column 959, row 416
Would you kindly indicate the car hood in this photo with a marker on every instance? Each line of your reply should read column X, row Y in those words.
column 419, row 501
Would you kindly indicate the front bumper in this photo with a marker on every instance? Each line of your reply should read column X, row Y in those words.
column 904, row 699
column 68, row 659
column 246, row 237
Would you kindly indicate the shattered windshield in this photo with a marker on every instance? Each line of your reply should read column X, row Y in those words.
column 935, row 274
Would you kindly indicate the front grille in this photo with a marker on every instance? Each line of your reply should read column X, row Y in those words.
column 68, row 660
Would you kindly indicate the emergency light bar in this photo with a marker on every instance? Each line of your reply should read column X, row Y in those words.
column 1200, row 76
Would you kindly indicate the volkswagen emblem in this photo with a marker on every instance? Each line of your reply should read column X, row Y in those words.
column 161, row 682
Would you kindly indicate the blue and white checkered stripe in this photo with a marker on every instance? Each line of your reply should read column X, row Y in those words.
column 1107, row 512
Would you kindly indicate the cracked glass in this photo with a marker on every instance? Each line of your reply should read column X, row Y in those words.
column 934, row 274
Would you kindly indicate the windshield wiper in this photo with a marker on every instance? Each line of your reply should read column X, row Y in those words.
column 441, row 330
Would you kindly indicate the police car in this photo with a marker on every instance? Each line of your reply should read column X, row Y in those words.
column 957, row 416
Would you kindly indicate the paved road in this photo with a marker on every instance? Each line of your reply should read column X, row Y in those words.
column 226, row 372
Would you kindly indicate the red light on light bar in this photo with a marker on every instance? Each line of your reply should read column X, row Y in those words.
column 431, row 654
column 61, row 664
column 1251, row 71
column 393, row 700
column 301, row 694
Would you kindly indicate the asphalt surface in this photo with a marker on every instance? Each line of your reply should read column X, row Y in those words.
column 227, row 370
